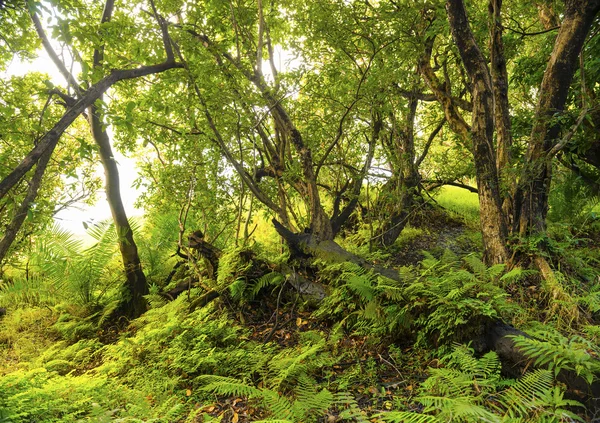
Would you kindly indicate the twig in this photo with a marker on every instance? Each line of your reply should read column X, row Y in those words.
column 270, row 335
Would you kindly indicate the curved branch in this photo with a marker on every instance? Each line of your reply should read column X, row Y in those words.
column 48, row 47
column 439, row 183
column 432, row 136
column 50, row 139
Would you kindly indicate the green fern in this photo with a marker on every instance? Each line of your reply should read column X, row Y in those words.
column 307, row 405
column 557, row 352
column 407, row 417
column 349, row 408
column 470, row 389
column 270, row 279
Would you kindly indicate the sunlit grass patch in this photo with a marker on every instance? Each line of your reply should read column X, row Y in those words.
column 460, row 201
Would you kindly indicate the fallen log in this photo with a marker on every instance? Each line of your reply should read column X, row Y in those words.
column 307, row 245
column 498, row 337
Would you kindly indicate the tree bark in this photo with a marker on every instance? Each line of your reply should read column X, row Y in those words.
column 402, row 188
column 339, row 219
column 502, row 120
column 493, row 225
column 10, row 233
column 531, row 199
column 133, row 304
column 308, row 245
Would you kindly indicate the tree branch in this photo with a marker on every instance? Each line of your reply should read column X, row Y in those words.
column 50, row 139
column 48, row 47
column 432, row 136
column 439, row 183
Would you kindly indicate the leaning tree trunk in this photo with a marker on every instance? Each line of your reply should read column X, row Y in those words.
column 10, row 233
column 133, row 302
column 534, row 186
column 493, row 223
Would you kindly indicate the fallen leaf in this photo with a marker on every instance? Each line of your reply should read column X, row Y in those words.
column 188, row 392
column 235, row 418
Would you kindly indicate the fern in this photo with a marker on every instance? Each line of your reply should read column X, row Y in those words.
column 462, row 408
column 270, row 279
column 221, row 385
column 308, row 403
column 527, row 393
column 350, row 410
column 517, row 274
column 470, row 389
column 407, row 417
column 557, row 352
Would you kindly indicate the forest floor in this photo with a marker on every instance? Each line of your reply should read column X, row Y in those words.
column 371, row 351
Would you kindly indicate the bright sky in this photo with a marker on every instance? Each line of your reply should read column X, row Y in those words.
column 72, row 217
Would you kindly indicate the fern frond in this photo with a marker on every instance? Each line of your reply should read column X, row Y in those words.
column 517, row 274
column 406, row 417
column 527, row 392
column 362, row 286
column 476, row 265
column 558, row 352
column 458, row 408
column 278, row 405
column 350, row 410
column 273, row 278
column 228, row 386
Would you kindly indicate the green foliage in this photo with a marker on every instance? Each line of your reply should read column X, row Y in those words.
column 307, row 404
column 444, row 299
column 451, row 299
column 572, row 200
column 61, row 269
column 556, row 352
column 469, row 389
column 40, row 395
column 232, row 266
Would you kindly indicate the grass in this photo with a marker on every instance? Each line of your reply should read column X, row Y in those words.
column 459, row 201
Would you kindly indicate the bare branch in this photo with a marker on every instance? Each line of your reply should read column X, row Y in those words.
column 439, row 183
column 48, row 47
column 565, row 140
column 165, row 33
column 432, row 136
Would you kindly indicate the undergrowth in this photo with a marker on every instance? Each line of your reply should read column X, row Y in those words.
column 257, row 355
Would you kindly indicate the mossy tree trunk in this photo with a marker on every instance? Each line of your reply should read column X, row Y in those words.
column 531, row 199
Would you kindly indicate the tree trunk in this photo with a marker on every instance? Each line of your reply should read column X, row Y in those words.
column 501, row 108
column 133, row 304
column 310, row 246
column 531, row 199
column 14, row 226
column 493, row 224
column 402, row 188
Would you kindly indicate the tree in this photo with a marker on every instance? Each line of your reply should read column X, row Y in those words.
column 133, row 303
column 490, row 114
